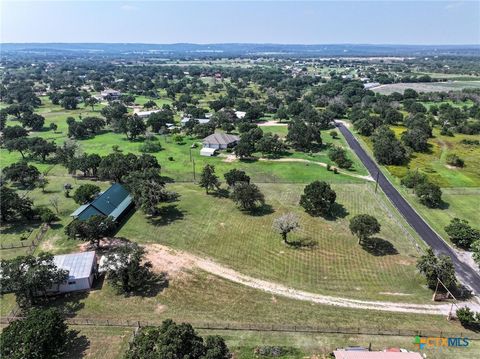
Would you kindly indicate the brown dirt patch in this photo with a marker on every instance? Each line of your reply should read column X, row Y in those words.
column 169, row 261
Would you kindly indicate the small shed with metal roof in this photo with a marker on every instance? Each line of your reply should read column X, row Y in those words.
column 81, row 267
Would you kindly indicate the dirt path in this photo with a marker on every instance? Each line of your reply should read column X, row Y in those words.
column 368, row 178
column 174, row 262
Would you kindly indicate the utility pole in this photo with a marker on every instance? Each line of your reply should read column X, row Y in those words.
column 376, row 182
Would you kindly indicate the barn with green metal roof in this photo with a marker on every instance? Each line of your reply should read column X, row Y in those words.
column 114, row 202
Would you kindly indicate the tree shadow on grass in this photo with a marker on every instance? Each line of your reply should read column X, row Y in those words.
column 378, row 246
column 221, row 193
column 167, row 215
column 77, row 345
column 303, row 243
column 153, row 285
column 338, row 211
column 444, row 205
column 263, row 210
column 68, row 303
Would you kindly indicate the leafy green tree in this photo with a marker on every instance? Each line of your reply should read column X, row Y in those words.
column 114, row 114
column 69, row 102
column 339, row 156
column 91, row 101
column 13, row 206
column 247, row 196
column 433, row 267
column 41, row 148
column 42, row 182
column 158, row 120
column 234, row 176
column 364, row 226
column 150, row 104
column 429, row 194
column 285, row 224
column 46, row 214
column 318, row 199
column 244, row 149
column 468, row 318
column 172, row 340
column 127, row 270
column 29, row 276
column 416, row 139
column 33, row 121
column 23, row 173
column 303, row 136
column 386, row 148
column 364, row 126
column 208, row 179
column 133, row 126
column 92, row 229
column 148, row 190
column 42, row 334
column 20, row 144
column 461, row 233
column 86, row 193
column 412, row 179
column 271, row 145
column 13, row 132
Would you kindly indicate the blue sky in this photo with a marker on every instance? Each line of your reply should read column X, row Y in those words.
column 311, row 22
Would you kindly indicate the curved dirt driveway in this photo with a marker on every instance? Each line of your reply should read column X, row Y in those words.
column 173, row 261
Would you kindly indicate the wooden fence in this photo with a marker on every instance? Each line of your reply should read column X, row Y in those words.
column 259, row 327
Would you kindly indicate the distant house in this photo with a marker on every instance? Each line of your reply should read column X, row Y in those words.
column 201, row 121
column 114, row 202
column 110, row 94
column 82, row 269
column 353, row 354
column 145, row 114
column 220, row 140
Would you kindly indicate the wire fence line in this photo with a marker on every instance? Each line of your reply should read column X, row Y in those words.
column 259, row 327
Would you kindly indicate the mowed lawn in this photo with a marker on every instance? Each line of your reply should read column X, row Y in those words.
column 199, row 298
column 99, row 342
column 332, row 262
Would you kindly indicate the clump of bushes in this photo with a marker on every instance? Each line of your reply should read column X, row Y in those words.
column 150, row 146
column 461, row 233
column 468, row 318
column 428, row 193
column 413, row 179
column 454, row 160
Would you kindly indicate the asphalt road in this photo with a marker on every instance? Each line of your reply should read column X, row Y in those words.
column 467, row 275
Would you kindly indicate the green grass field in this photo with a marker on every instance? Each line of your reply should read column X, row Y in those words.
column 333, row 263
column 460, row 186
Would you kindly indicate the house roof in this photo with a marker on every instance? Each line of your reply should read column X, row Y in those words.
column 112, row 202
column 79, row 265
column 375, row 355
column 220, row 138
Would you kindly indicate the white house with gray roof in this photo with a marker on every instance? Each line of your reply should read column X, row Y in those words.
column 81, row 267
column 220, row 141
